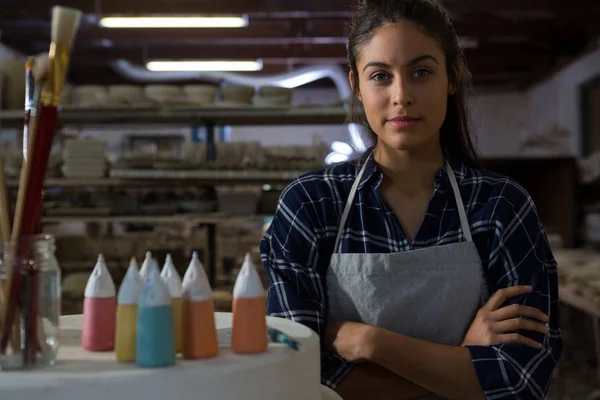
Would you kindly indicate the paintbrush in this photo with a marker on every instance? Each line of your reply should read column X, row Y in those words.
column 65, row 23
column 5, row 207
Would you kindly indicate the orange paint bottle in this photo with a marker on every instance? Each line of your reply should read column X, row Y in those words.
column 199, row 333
column 249, row 333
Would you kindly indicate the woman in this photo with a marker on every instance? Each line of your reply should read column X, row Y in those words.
column 392, row 258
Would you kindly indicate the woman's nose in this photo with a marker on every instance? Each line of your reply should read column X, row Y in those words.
column 402, row 95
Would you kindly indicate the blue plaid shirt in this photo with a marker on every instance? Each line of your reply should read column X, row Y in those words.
column 506, row 229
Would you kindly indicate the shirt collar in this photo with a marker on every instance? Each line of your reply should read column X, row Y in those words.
column 374, row 176
column 442, row 178
column 372, row 172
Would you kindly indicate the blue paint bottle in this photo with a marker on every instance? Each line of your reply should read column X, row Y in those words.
column 155, row 333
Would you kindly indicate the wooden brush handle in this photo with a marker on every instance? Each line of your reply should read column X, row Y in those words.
column 4, row 206
column 24, row 181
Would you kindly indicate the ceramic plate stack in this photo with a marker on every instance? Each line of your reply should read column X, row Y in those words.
column 13, row 91
column 84, row 159
column 66, row 96
column 127, row 95
column 164, row 94
column 238, row 200
column 90, row 96
column 237, row 95
column 273, row 96
column 200, row 94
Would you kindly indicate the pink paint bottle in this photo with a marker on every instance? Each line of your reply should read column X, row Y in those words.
column 99, row 310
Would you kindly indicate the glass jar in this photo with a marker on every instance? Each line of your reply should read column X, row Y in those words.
column 33, row 340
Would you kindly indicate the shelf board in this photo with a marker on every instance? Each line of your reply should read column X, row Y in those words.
column 210, row 218
column 206, row 175
column 152, row 177
column 188, row 116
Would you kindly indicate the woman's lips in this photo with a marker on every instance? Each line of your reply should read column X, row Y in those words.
column 404, row 122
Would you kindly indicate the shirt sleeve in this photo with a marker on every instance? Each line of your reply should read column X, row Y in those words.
column 520, row 255
column 290, row 252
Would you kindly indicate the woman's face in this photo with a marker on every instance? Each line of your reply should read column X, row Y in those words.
column 403, row 86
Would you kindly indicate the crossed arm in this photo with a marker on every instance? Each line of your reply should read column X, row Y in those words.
column 413, row 367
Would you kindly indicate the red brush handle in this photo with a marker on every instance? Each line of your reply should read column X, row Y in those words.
column 37, row 224
column 48, row 118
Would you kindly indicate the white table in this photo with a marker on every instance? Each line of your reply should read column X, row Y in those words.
column 79, row 374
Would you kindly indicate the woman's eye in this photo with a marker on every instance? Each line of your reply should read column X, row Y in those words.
column 421, row 73
column 379, row 76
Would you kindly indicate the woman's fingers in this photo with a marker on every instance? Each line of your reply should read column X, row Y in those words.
column 516, row 338
column 519, row 324
column 502, row 295
column 518, row 310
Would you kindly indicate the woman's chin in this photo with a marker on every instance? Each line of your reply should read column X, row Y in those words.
column 403, row 141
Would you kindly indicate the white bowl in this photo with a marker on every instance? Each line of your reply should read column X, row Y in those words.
column 129, row 93
column 200, row 90
column 89, row 95
column 274, row 91
column 237, row 93
column 201, row 99
column 90, row 89
column 162, row 93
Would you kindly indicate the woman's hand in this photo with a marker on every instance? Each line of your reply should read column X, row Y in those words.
column 353, row 341
column 491, row 324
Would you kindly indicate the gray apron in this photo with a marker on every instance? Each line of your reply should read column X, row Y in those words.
column 431, row 293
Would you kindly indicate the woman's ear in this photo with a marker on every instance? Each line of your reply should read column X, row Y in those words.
column 354, row 85
column 451, row 88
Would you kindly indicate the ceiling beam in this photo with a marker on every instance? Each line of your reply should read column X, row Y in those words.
column 269, row 30
column 479, row 26
column 36, row 8
column 569, row 7
column 42, row 7
column 522, row 54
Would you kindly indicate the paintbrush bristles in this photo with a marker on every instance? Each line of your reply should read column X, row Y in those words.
column 65, row 23
column 40, row 68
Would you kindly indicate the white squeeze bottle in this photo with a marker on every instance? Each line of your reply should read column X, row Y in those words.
column 173, row 281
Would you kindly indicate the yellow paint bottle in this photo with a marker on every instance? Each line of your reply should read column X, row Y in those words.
column 173, row 281
column 127, row 306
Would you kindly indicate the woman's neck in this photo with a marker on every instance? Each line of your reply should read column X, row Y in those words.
column 410, row 172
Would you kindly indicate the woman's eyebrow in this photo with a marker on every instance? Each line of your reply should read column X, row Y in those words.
column 410, row 63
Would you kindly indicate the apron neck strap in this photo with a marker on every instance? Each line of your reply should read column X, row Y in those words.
column 349, row 203
column 462, row 214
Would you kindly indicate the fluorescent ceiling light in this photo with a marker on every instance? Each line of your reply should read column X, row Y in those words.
column 213, row 65
column 334, row 158
column 175, row 22
column 356, row 137
column 342, row 148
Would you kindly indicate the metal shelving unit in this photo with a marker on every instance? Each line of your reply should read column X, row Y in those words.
column 210, row 118
column 144, row 177
column 190, row 116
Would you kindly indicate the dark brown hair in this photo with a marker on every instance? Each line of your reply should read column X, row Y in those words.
column 455, row 137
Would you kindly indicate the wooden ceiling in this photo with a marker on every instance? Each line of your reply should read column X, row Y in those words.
column 513, row 43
